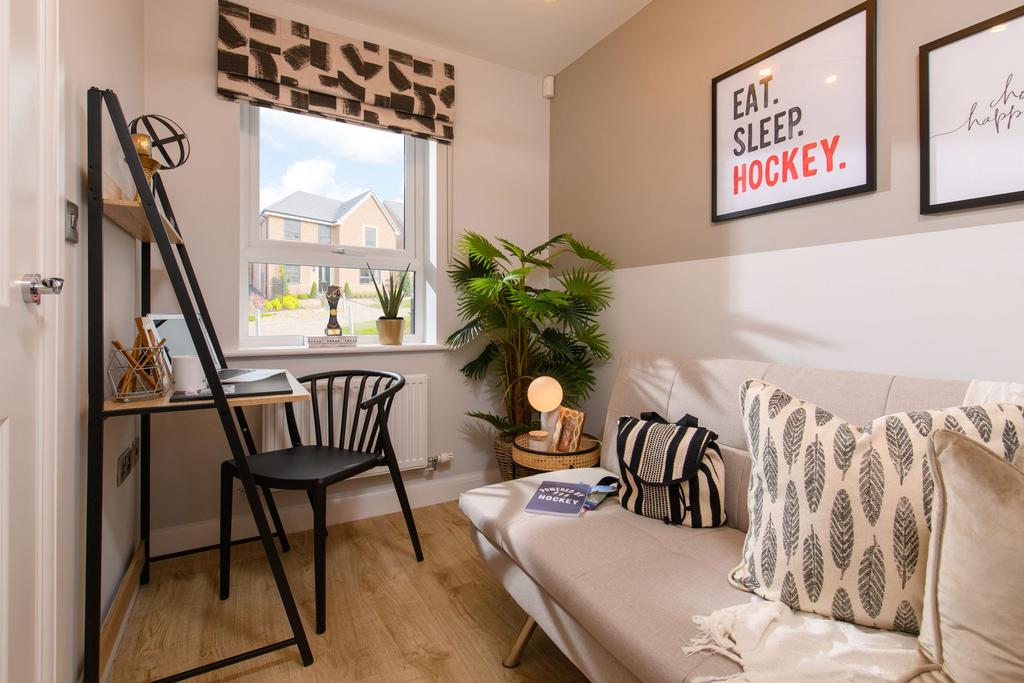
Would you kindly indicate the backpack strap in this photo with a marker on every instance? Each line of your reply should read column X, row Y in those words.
column 685, row 421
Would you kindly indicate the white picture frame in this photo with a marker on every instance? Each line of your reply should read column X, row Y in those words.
column 796, row 124
column 972, row 116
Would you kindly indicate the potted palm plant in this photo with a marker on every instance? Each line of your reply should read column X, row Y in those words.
column 530, row 330
column 390, row 325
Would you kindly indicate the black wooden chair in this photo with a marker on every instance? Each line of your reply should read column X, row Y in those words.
column 362, row 442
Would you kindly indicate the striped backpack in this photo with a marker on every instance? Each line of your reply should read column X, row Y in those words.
column 671, row 472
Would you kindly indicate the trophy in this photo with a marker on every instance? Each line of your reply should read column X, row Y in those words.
column 144, row 147
column 333, row 296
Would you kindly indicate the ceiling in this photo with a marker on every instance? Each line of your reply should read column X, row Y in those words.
column 536, row 36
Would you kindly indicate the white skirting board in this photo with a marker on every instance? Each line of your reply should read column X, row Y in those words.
column 342, row 506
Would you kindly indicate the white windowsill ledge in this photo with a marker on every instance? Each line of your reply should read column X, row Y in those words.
column 277, row 351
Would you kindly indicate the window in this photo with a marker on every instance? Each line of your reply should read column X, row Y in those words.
column 284, row 311
column 371, row 193
column 369, row 236
column 292, row 229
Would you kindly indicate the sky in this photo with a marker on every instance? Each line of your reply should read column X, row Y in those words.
column 328, row 158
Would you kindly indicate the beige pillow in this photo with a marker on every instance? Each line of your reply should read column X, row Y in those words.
column 973, row 622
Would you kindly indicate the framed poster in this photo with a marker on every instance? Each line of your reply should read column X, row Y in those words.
column 972, row 116
column 796, row 124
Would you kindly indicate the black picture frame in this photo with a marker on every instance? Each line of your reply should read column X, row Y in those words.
column 870, row 183
column 928, row 207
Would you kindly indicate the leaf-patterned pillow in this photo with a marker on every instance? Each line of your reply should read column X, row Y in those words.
column 840, row 514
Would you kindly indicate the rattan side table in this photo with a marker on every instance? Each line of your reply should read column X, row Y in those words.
column 531, row 460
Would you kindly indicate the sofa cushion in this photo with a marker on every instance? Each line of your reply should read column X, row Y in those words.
column 633, row 583
column 839, row 513
column 674, row 385
column 973, row 624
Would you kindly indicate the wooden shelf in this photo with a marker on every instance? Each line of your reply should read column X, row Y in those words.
column 131, row 217
column 163, row 403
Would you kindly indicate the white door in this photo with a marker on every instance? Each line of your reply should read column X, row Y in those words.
column 28, row 200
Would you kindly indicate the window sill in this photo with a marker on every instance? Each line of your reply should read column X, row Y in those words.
column 363, row 349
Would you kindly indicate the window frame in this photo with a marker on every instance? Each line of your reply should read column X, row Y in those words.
column 373, row 231
column 285, row 222
column 420, row 181
column 320, row 227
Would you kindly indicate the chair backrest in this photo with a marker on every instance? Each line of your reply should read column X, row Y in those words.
column 357, row 404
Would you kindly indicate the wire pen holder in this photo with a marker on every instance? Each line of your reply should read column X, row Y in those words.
column 137, row 373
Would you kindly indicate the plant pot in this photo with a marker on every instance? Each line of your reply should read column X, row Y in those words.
column 390, row 331
column 503, row 453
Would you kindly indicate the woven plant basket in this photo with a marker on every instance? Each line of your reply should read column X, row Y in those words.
column 503, row 452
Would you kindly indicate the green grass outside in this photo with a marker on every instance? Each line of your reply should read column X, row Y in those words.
column 365, row 327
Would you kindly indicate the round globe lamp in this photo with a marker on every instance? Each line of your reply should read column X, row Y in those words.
column 545, row 395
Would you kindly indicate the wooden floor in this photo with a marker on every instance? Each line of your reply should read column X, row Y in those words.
column 389, row 618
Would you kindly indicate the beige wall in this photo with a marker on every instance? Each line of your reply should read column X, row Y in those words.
column 500, row 186
column 84, row 26
column 864, row 283
column 631, row 121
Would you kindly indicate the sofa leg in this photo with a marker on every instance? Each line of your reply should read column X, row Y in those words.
column 522, row 639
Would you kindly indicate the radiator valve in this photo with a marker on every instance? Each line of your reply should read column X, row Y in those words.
column 434, row 460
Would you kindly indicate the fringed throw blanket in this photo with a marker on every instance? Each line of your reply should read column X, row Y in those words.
column 773, row 644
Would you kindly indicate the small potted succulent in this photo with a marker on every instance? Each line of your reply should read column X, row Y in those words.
column 390, row 326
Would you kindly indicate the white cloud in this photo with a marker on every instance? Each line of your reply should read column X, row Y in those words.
column 348, row 141
column 318, row 176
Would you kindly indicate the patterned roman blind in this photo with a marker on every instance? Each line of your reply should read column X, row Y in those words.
column 275, row 62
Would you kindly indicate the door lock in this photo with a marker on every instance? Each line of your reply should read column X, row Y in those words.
column 34, row 286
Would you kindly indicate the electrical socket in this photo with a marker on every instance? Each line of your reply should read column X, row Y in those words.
column 124, row 465
column 127, row 460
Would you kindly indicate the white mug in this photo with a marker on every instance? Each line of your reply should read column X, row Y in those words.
column 188, row 373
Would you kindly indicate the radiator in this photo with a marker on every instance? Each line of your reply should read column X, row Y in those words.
column 407, row 424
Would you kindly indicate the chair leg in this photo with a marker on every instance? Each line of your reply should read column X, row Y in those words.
column 276, row 519
column 227, row 479
column 522, row 639
column 403, row 500
column 319, row 496
column 309, row 494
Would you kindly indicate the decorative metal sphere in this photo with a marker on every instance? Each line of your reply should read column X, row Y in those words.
column 170, row 144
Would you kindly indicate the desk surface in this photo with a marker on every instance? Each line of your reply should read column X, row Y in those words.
column 163, row 404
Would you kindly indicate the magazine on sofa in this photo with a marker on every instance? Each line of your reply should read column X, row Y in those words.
column 560, row 498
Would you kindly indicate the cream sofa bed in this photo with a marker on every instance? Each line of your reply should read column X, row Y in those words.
column 616, row 591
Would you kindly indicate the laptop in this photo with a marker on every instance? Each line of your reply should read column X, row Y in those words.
column 275, row 384
column 172, row 328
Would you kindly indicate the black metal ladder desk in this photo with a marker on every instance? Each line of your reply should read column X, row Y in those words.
column 149, row 226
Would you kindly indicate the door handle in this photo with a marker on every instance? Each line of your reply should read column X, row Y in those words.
column 33, row 286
